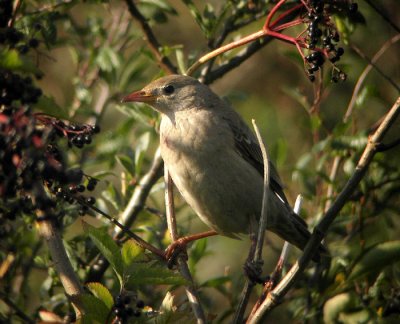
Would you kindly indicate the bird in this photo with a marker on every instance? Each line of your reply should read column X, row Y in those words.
column 216, row 163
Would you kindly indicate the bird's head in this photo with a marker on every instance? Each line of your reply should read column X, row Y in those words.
column 171, row 93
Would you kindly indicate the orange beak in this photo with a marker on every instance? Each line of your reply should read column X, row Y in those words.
column 139, row 96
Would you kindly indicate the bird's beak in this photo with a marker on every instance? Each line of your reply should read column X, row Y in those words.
column 139, row 96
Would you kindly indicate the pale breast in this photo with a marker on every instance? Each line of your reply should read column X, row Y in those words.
column 205, row 169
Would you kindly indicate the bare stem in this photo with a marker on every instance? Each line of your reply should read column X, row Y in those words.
column 68, row 277
column 364, row 74
column 140, row 194
column 151, row 39
column 319, row 232
column 191, row 291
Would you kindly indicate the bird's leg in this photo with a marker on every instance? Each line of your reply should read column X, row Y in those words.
column 178, row 246
column 253, row 269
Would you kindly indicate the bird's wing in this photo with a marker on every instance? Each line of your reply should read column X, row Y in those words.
column 247, row 147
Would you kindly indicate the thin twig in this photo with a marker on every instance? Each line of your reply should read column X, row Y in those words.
column 319, row 232
column 255, row 255
column 140, row 194
column 364, row 74
column 383, row 15
column 264, row 208
column 152, row 41
column 130, row 213
column 190, row 289
column 19, row 312
column 276, row 275
column 383, row 74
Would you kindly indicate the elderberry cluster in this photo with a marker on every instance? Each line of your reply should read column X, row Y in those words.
column 32, row 167
column 322, row 36
column 123, row 311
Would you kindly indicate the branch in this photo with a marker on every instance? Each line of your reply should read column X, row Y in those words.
column 19, row 312
column 383, row 74
column 255, row 254
column 319, row 232
column 152, row 41
column 236, row 60
column 140, row 194
column 68, row 277
column 383, row 15
column 364, row 74
column 276, row 275
column 191, row 291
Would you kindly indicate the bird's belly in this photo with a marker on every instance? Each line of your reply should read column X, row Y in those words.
column 224, row 191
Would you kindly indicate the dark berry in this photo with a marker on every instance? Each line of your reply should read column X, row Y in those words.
column 353, row 7
column 91, row 184
column 96, row 129
column 311, row 77
column 34, row 43
column 340, row 51
column 140, row 303
column 90, row 200
column 80, row 188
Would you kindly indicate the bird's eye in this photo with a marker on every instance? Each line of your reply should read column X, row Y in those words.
column 168, row 89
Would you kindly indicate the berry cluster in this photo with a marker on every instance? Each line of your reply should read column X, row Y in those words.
column 32, row 166
column 14, row 87
column 322, row 36
column 123, row 311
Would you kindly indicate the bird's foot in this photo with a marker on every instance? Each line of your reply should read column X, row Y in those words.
column 253, row 271
column 175, row 249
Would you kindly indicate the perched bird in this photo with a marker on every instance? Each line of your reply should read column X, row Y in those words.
column 215, row 161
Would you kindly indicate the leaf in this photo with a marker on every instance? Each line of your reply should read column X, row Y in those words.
column 50, row 107
column 152, row 274
column 12, row 60
column 163, row 5
column 102, row 293
column 131, row 252
column 127, row 163
column 336, row 305
column 171, row 313
column 376, row 259
column 140, row 148
column 96, row 310
column 107, row 59
column 108, row 248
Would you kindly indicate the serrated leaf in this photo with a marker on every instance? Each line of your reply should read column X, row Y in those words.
column 108, row 248
column 102, row 293
column 376, row 258
column 152, row 274
column 96, row 310
column 131, row 252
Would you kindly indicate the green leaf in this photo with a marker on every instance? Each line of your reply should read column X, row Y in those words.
column 12, row 60
column 131, row 252
column 336, row 305
column 152, row 274
column 96, row 310
column 376, row 259
column 108, row 248
column 48, row 106
column 102, row 293
column 107, row 59
column 127, row 163
column 163, row 5
column 141, row 147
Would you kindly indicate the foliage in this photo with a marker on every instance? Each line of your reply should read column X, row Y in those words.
column 64, row 67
